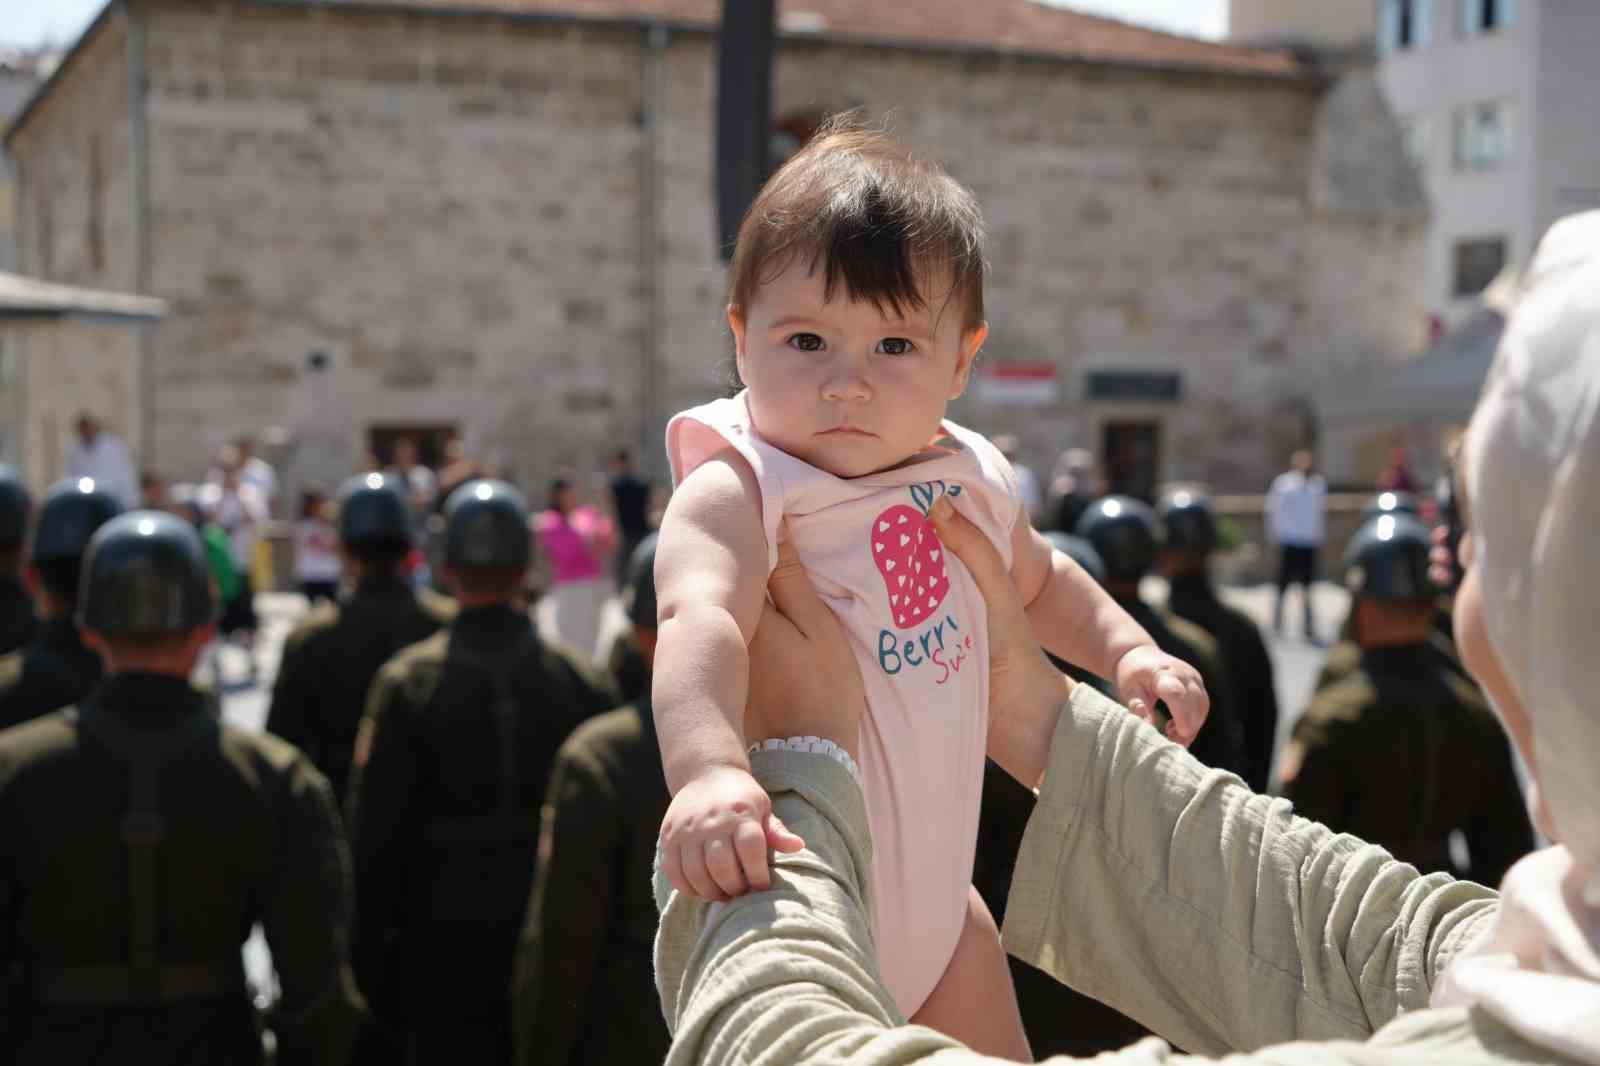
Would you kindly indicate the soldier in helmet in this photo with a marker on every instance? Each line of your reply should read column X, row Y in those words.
column 169, row 836
column 55, row 669
column 1126, row 536
column 1190, row 537
column 450, row 772
column 584, row 989
column 331, row 657
column 1344, row 658
column 17, row 621
column 1403, row 752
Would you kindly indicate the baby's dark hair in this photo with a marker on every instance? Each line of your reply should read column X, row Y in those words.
column 871, row 216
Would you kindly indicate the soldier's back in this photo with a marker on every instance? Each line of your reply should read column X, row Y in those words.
column 450, row 772
column 17, row 620
column 1249, row 667
column 329, row 661
column 140, row 841
column 52, row 671
column 1402, row 752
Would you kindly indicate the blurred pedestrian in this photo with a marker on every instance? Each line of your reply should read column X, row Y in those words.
column 1404, row 751
column 584, row 987
column 577, row 541
column 256, row 471
column 1396, row 475
column 1297, row 524
column 55, row 669
column 630, row 504
column 332, row 654
column 152, row 491
column 1027, row 481
column 144, row 839
column 457, row 469
column 449, row 775
column 1190, row 536
column 420, row 483
column 1073, row 487
column 100, row 455
column 239, row 509
column 17, row 619
column 316, row 548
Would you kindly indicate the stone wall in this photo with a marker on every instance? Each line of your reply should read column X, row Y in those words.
column 508, row 225
column 63, row 368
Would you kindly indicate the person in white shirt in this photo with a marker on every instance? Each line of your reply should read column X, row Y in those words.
column 317, row 567
column 1295, row 522
column 240, row 509
column 103, row 458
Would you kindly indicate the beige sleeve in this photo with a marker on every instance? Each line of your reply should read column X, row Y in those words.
column 1210, row 914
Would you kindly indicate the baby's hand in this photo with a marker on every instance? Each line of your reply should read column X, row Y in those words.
column 715, row 836
column 1147, row 674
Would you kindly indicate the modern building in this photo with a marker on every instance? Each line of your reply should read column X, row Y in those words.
column 374, row 217
column 1496, row 98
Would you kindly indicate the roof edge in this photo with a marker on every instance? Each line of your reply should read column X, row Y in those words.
column 59, row 73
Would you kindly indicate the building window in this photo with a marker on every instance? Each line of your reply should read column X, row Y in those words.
column 1404, row 24
column 1487, row 16
column 1414, row 132
column 1485, row 134
column 1478, row 262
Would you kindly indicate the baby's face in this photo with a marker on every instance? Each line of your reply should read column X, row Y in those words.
column 842, row 385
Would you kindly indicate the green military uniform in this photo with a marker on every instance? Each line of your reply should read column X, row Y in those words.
column 1248, row 667
column 54, row 671
column 1344, row 658
column 585, row 983
column 444, row 812
column 140, row 841
column 17, row 621
column 1220, row 742
column 1402, row 753
column 330, row 659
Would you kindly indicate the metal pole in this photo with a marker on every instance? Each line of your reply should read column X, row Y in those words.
column 139, row 161
column 744, row 110
column 653, row 107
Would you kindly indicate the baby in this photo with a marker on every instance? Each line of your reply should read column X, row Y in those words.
column 856, row 303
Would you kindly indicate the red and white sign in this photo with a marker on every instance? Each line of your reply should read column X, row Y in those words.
column 1019, row 384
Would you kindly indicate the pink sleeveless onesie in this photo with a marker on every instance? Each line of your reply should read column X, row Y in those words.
column 917, row 624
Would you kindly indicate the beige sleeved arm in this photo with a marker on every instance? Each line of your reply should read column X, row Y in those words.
column 1210, row 914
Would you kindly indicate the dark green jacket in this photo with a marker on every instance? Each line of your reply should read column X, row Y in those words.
column 1220, row 742
column 330, row 659
column 1249, row 667
column 584, row 992
column 1402, row 753
column 444, row 843
column 246, row 833
column 54, row 671
column 17, row 620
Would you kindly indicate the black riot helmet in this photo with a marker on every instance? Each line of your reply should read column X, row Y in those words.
column 639, row 587
column 1391, row 503
column 145, row 574
column 486, row 525
column 71, row 512
column 1187, row 521
column 15, row 504
column 1124, row 532
column 1387, row 559
column 1079, row 551
column 373, row 515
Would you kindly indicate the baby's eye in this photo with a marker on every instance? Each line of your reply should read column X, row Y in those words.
column 894, row 346
column 806, row 342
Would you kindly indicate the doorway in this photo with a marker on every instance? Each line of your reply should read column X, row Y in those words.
column 1132, row 453
column 430, row 440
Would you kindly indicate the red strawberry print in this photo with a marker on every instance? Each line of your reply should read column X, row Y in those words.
column 910, row 559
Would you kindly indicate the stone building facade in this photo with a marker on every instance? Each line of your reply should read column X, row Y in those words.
column 415, row 215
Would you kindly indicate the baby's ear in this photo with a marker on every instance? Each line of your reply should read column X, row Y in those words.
column 972, row 340
column 736, row 323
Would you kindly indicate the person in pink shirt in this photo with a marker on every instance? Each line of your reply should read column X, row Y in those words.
column 856, row 306
column 577, row 540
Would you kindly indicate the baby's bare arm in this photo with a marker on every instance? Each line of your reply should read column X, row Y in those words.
column 711, row 578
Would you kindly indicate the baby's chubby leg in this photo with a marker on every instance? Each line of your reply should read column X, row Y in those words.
column 975, row 1001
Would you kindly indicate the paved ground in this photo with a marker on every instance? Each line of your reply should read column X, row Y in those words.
column 1294, row 661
